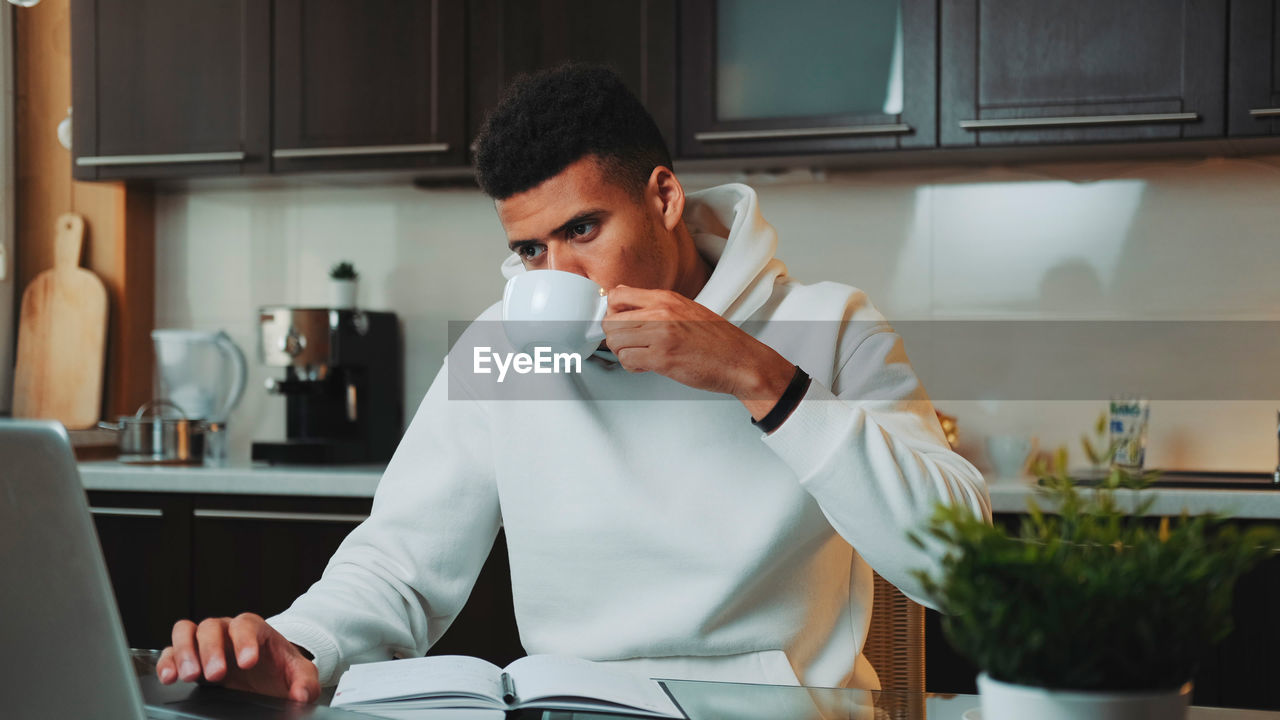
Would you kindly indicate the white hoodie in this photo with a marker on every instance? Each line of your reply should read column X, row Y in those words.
column 669, row 536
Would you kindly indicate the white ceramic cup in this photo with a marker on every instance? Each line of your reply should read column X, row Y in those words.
column 553, row 309
column 1008, row 454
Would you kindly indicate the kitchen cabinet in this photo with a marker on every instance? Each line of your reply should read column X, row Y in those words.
column 1245, row 663
column 225, row 87
column 259, row 555
column 173, row 556
column 144, row 539
column 1081, row 71
column 168, row 89
column 766, row 78
column 368, row 84
column 637, row 38
column 1235, row 673
column 1253, row 74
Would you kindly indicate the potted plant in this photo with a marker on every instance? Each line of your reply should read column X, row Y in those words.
column 342, row 285
column 1088, row 608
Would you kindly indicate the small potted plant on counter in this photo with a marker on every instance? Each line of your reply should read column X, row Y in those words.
column 1089, row 608
column 342, row 285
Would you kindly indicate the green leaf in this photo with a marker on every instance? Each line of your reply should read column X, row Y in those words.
column 1095, row 458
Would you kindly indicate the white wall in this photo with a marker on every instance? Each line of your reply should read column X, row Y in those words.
column 1177, row 239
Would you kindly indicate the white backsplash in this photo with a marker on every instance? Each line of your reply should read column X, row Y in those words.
column 1175, row 239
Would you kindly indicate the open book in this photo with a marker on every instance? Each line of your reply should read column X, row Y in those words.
column 551, row 682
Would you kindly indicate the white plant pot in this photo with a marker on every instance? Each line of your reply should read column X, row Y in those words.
column 1006, row 701
column 342, row 294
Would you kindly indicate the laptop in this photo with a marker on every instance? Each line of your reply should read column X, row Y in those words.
column 64, row 649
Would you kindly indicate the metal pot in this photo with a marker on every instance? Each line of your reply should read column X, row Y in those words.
column 149, row 437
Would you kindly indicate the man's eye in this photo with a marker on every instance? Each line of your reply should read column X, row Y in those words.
column 581, row 229
column 529, row 252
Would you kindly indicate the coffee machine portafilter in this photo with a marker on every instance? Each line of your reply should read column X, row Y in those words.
column 343, row 384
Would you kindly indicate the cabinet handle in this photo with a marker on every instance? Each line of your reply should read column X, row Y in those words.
column 127, row 512
column 285, row 516
column 1265, row 112
column 800, row 133
column 1015, row 123
column 161, row 159
column 360, row 150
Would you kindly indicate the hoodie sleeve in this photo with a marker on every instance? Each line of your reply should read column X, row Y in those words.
column 401, row 577
column 872, row 453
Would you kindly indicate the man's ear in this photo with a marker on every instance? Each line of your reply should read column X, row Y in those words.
column 667, row 195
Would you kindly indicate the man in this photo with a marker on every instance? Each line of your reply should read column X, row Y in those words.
column 684, row 537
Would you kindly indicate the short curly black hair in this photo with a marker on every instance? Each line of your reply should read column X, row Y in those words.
column 550, row 119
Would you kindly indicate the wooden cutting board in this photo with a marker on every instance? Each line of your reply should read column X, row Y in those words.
column 62, row 334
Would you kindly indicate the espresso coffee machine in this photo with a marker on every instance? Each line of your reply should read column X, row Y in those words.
column 343, row 384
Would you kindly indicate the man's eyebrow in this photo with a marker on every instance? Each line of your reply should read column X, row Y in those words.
column 584, row 216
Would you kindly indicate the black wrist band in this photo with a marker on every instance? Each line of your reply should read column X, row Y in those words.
column 791, row 397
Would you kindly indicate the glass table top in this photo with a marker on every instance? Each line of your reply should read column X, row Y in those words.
column 742, row 701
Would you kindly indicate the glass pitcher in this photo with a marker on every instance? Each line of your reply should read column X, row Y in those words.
column 202, row 372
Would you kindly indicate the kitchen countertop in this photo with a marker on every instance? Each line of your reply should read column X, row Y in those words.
column 303, row 480
column 1008, row 495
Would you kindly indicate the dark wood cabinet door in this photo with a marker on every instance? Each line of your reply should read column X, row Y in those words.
column 1253, row 75
column 368, row 84
column 169, row 88
column 1081, row 71
column 144, row 543
column 1241, row 669
column 258, row 554
column 634, row 37
column 765, row 78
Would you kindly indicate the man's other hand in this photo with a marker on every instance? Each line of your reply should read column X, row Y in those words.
column 242, row 653
column 665, row 332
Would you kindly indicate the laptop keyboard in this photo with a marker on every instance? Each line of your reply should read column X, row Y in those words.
column 155, row 713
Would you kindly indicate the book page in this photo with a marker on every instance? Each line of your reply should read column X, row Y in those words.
column 394, row 711
column 442, row 675
column 541, row 678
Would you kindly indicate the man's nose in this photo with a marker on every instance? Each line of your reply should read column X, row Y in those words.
column 565, row 260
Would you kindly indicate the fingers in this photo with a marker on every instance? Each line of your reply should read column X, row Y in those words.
column 304, row 679
column 166, row 668
column 623, row 296
column 184, row 650
column 633, row 359
column 625, row 315
column 300, row 675
column 618, row 340
column 623, row 319
column 299, row 692
column 625, row 343
column 211, row 639
column 263, row 660
column 246, row 633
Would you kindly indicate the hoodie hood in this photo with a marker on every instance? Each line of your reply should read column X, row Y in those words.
column 739, row 243
column 731, row 234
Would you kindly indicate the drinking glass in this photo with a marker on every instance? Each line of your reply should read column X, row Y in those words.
column 1128, row 430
